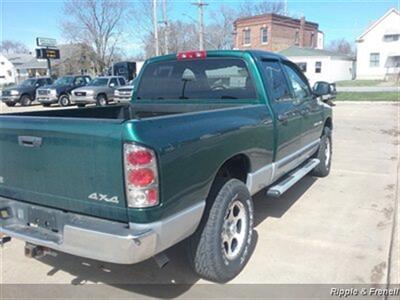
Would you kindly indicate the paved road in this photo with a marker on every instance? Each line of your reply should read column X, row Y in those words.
column 368, row 88
column 333, row 230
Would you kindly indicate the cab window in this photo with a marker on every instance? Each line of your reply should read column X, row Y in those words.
column 113, row 82
column 121, row 81
column 79, row 81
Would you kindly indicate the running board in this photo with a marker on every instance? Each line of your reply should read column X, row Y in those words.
column 282, row 186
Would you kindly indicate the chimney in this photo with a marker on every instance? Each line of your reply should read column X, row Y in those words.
column 302, row 29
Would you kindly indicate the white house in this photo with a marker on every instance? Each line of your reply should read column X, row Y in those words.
column 7, row 71
column 321, row 65
column 378, row 48
column 16, row 67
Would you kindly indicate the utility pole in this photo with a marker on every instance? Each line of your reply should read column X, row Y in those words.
column 200, row 5
column 155, row 23
column 166, row 26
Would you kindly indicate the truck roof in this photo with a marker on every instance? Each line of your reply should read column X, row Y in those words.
column 258, row 54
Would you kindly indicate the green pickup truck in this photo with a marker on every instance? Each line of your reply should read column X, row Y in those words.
column 204, row 131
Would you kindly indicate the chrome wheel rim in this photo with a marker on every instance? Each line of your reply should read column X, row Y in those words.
column 327, row 152
column 234, row 230
column 102, row 101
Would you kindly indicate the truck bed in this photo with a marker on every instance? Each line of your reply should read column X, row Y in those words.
column 123, row 112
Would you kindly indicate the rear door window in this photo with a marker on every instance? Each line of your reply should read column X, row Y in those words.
column 212, row 79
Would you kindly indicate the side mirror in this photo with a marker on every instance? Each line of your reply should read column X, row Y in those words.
column 37, row 84
column 112, row 84
column 321, row 88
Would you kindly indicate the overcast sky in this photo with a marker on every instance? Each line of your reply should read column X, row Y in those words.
column 24, row 20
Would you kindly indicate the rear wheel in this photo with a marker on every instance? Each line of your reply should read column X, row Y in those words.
column 64, row 100
column 220, row 248
column 101, row 100
column 26, row 100
column 324, row 154
column 10, row 104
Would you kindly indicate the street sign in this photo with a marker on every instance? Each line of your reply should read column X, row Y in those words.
column 48, row 53
column 46, row 42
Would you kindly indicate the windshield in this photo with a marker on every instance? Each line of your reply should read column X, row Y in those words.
column 212, row 79
column 64, row 81
column 28, row 82
column 98, row 82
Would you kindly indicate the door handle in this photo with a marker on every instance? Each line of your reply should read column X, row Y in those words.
column 283, row 118
column 29, row 141
column 304, row 111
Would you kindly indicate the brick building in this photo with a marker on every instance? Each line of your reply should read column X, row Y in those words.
column 274, row 32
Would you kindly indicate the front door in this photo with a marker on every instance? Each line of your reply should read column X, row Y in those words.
column 307, row 106
column 288, row 121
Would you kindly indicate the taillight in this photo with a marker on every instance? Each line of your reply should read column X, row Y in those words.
column 141, row 177
column 191, row 55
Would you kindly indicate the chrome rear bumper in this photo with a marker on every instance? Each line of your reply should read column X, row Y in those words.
column 95, row 238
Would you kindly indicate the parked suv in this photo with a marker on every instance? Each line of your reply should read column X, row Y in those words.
column 60, row 90
column 99, row 91
column 25, row 92
column 124, row 93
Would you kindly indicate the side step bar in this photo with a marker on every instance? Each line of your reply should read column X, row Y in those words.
column 282, row 186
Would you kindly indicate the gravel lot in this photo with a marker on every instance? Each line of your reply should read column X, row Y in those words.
column 336, row 230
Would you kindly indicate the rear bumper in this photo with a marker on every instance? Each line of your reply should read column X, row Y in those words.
column 93, row 237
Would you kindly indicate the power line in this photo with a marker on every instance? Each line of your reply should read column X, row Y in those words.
column 200, row 5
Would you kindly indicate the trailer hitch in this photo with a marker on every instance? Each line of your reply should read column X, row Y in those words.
column 35, row 251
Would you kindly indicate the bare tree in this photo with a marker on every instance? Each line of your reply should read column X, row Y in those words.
column 219, row 34
column 97, row 24
column 341, row 46
column 252, row 8
column 9, row 46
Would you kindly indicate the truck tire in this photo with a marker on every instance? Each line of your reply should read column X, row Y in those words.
column 324, row 154
column 64, row 100
column 25, row 100
column 10, row 104
column 220, row 248
column 102, row 100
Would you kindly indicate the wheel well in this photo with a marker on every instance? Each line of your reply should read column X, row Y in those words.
column 236, row 167
column 101, row 94
column 25, row 94
column 328, row 123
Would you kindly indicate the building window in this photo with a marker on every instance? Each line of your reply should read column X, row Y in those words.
column 296, row 38
column 264, row 35
column 391, row 37
column 302, row 66
column 318, row 67
column 374, row 60
column 246, row 37
column 312, row 40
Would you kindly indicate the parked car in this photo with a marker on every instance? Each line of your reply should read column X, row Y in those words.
column 203, row 133
column 60, row 91
column 25, row 92
column 99, row 91
column 124, row 93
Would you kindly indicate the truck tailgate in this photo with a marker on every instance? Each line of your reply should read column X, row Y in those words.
column 66, row 163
